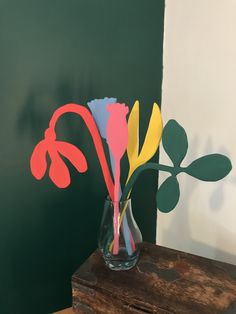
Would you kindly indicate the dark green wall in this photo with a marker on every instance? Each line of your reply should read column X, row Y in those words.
column 54, row 52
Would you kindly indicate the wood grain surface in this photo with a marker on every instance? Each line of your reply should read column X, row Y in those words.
column 66, row 311
column 164, row 281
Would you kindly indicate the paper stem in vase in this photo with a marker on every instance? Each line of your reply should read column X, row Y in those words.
column 151, row 142
column 116, row 207
column 100, row 113
column 129, row 241
column 117, row 139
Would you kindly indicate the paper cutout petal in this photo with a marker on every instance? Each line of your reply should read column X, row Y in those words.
column 175, row 142
column 100, row 114
column 117, row 129
column 73, row 154
column 152, row 138
column 133, row 131
column 168, row 195
column 212, row 167
column 38, row 162
column 58, row 171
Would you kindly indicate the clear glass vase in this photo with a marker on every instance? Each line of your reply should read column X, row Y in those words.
column 121, row 252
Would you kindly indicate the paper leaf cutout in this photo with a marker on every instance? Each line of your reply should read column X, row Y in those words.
column 168, row 195
column 151, row 141
column 175, row 142
column 212, row 167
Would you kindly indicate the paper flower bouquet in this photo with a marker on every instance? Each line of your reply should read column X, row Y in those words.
column 107, row 123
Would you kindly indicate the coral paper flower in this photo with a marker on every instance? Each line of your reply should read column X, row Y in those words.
column 58, row 171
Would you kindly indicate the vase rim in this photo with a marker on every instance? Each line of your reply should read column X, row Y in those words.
column 108, row 199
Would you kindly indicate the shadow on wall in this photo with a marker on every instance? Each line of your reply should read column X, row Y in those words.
column 42, row 101
column 181, row 221
column 37, row 111
column 64, row 229
column 35, row 115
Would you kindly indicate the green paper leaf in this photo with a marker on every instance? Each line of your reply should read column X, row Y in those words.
column 175, row 142
column 210, row 167
column 168, row 195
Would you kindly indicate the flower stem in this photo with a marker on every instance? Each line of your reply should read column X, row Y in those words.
column 91, row 125
column 116, row 206
column 129, row 186
column 148, row 166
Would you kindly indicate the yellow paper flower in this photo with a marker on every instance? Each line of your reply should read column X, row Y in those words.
column 150, row 145
column 151, row 141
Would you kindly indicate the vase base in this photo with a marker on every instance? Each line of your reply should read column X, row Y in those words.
column 116, row 262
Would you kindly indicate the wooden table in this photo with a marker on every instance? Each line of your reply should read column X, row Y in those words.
column 65, row 311
column 164, row 281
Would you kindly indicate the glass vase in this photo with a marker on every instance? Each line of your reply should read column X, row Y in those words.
column 121, row 252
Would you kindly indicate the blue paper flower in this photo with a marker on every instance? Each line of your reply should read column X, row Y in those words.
column 99, row 111
column 100, row 114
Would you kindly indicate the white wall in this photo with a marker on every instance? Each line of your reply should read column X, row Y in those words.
column 199, row 91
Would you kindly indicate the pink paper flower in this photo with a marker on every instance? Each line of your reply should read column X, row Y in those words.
column 58, row 171
column 117, row 139
column 117, row 129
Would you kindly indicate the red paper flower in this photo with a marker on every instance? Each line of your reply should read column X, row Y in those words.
column 58, row 171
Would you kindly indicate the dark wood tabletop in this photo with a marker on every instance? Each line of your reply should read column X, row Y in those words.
column 164, row 281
